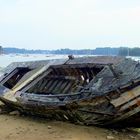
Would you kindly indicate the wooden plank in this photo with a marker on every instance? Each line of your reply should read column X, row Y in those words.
column 42, row 84
column 96, row 112
column 62, row 87
column 126, row 96
column 53, row 85
column 60, row 77
column 47, row 87
column 56, row 89
column 126, row 115
column 68, row 87
column 32, row 79
column 28, row 80
column 129, row 104
column 9, row 76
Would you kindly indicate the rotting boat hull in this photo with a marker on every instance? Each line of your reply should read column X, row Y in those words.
column 90, row 90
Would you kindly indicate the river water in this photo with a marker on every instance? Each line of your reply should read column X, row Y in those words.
column 7, row 59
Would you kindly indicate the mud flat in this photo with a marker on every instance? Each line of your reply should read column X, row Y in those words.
column 31, row 128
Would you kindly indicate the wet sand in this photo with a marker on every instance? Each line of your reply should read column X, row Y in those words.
column 31, row 128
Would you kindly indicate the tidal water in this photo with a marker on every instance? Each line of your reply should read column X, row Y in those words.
column 5, row 60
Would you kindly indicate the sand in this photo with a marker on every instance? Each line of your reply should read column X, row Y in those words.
column 32, row 128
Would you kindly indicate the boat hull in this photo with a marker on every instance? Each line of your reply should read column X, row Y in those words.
column 93, row 91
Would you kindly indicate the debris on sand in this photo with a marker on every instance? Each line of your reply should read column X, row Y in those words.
column 15, row 113
column 110, row 137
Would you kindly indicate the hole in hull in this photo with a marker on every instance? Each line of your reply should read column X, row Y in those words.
column 12, row 79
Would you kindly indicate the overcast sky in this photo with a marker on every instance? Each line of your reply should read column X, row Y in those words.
column 75, row 24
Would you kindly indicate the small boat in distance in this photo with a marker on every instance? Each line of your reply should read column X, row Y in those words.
column 102, row 90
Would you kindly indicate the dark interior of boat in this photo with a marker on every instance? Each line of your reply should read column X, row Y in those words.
column 65, row 79
column 11, row 79
column 62, row 79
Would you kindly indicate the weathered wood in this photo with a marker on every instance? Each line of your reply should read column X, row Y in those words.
column 96, row 112
column 53, row 86
column 9, row 76
column 31, row 82
column 126, row 97
column 130, row 104
column 48, row 84
column 68, row 88
column 63, row 86
column 82, row 90
column 57, row 88
column 125, row 115
column 113, row 71
column 24, row 83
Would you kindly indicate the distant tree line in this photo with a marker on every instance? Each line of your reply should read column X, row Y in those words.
column 121, row 51
column 66, row 51
column 124, row 51
column 70, row 51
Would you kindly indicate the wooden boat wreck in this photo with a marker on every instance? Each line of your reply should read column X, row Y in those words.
column 86, row 90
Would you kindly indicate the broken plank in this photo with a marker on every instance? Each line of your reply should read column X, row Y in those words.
column 126, row 96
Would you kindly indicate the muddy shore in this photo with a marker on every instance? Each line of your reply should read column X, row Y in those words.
column 15, row 127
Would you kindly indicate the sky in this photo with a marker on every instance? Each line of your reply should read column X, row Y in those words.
column 74, row 24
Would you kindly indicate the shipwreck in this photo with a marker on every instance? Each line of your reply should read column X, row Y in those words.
column 86, row 90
